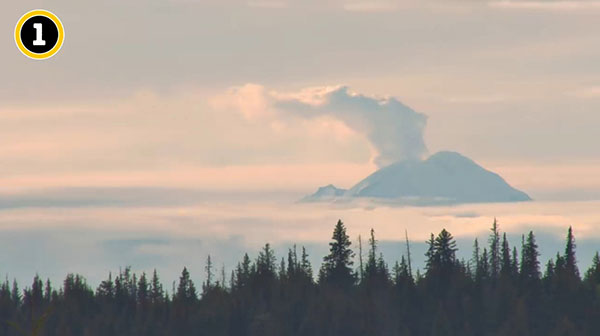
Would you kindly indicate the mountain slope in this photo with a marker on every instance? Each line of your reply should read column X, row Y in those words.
column 444, row 178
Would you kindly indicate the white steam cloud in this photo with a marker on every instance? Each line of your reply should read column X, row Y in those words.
column 394, row 129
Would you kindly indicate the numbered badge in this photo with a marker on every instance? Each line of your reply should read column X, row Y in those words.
column 39, row 34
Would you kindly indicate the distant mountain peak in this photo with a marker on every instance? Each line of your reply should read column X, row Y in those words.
column 443, row 178
column 326, row 193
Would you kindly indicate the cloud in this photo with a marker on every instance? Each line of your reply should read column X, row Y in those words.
column 250, row 99
column 233, row 138
column 267, row 4
column 170, row 237
column 546, row 5
column 371, row 6
column 477, row 99
column 394, row 130
column 587, row 92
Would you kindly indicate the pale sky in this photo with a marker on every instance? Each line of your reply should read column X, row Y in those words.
column 243, row 97
column 150, row 92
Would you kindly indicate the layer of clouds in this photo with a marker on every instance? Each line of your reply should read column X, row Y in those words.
column 41, row 239
column 553, row 5
column 235, row 138
column 271, row 42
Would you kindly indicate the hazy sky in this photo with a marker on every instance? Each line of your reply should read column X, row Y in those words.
column 286, row 96
column 149, row 92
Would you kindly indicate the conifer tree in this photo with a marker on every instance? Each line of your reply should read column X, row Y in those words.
column 265, row 263
column 483, row 272
column 243, row 272
column 15, row 293
column 382, row 268
column 401, row 273
column 143, row 290
column 476, row 258
column 223, row 282
column 408, row 256
column 549, row 274
column 209, row 275
column 106, row 289
column 506, row 262
column 494, row 241
column 305, row 265
column 292, row 263
column 431, row 254
column 560, row 265
column 445, row 249
column 371, row 269
column 570, row 258
column 515, row 263
column 47, row 292
column 156, row 288
column 592, row 276
column 361, row 267
column 282, row 270
column 337, row 265
column 530, row 266
column 186, row 291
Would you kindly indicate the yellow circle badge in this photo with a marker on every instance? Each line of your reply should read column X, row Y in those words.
column 39, row 34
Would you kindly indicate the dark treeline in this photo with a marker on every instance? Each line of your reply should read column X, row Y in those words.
column 502, row 290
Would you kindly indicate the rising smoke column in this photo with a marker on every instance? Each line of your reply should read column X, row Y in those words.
column 394, row 129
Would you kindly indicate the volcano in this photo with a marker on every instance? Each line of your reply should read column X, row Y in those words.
column 443, row 178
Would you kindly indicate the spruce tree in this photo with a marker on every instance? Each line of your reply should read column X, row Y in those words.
column 570, row 258
column 530, row 266
column 223, row 282
column 265, row 263
column 408, row 256
column 15, row 294
column 483, row 272
column 476, row 258
column 494, row 241
column 186, row 291
column 305, row 265
column 209, row 275
column 550, row 271
column 243, row 272
column 106, row 288
column 292, row 263
column 156, row 289
column 282, row 270
column 337, row 265
column 505, row 263
column 592, row 276
column 143, row 290
column 445, row 249
column 361, row 267
column 514, row 265
column 47, row 292
column 431, row 256
column 371, row 269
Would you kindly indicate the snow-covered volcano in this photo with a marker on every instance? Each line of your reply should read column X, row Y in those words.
column 443, row 178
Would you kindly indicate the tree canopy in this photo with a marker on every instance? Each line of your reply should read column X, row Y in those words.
column 497, row 292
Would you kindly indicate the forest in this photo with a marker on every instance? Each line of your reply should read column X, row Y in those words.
column 501, row 290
